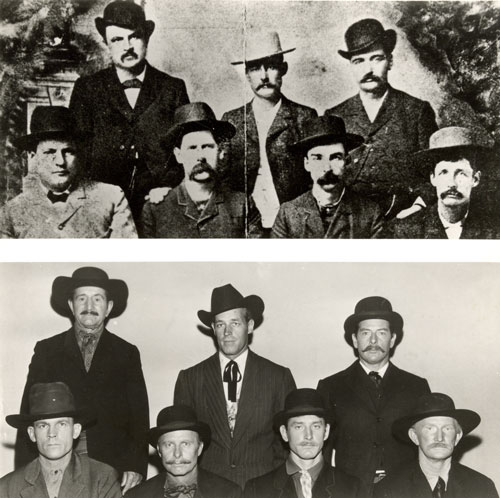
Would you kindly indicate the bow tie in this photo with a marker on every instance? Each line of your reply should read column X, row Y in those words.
column 53, row 197
column 181, row 489
column 327, row 210
column 133, row 83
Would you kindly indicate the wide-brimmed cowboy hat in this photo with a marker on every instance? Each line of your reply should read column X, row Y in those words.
column 261, row 45
column 195, row 117
column 363, row 35
column 47, row 123
column 227, row 298
column 325, row 130
column 371, row 308
column 435, row 405
column 305, row 401
column 50, row 400
column 88, row 276
column 127, row 15
column 178, row 418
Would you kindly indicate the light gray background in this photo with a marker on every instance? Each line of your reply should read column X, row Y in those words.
column 450, row 310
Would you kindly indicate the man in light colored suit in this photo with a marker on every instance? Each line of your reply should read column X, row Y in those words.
column 236, row 391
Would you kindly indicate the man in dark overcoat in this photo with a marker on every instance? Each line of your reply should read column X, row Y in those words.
column 393, row 123
column 261, row 164
column 128, row 107
column 367, row 397
column 102, row 370
column 236, row 392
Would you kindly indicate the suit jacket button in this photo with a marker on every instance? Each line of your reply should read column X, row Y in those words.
column 356, row 160
column 122, row 147
column 375, row 444
column 379, row 419
column 233, row 466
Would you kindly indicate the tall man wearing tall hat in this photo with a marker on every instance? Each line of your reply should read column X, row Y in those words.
column 367, row 397
column 53, row 422
column 127, row 107
column 58, row 201
column 330, row 209
column 236, row 391
column 102, row 370
column 261, row 165
column 436, row 427
column 179, row 438
column 454, row 162
column 202, row 206
column 393, row 123
column 304, row 425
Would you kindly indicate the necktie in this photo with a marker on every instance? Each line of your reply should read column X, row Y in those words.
column 53, row 197
column 327, row 210
column 375, row 378
column 232, row 376
column 306, row 483
column 181, row 489
column 88, row 345
column 439, row 490
column 133, row 83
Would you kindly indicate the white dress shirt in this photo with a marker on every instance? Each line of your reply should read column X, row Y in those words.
column 132, row 94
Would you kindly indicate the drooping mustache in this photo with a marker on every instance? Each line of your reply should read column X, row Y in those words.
column 89, row 312
column 451, row 191
column 370, row 76
column 130, row 52
column 201, row 167
column 266, row 85
column 374, row 348
column 328, row 178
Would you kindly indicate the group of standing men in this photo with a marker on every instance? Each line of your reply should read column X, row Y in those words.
column 268, row 168
column 235, row 413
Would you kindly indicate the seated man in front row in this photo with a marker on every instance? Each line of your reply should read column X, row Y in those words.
column 179, row 439
column 200, row 207
column 53, row 422
column 435, row 427
column 303, row 424
column 454, row 161
column 331, row 210
column 57, row 201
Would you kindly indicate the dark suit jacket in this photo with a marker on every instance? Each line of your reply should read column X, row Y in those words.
column 362, row 422
column 121, row 133
column 426, row 224
column 209, row 486
column 113, row 389
column 356, row 218
column 410, row 482
column 254, row 448
column 224, row 216
column 290, row 178
column 83, row 478
column 381, row 166
column 331, row 483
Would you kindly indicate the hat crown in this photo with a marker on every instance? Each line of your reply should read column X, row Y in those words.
column 261, row 44
column 90, row 273
column 193, row 113
column 50, row 398
column 373, row 304
column 125, row 14
column 430, row 403
column 451, row 136
column 226, row 298
column 176, row 414
column 324, row 125
column 363, row 33
column 52, row 119
column 304, row 398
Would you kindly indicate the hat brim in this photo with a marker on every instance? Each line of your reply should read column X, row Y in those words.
column 388, row 40
column 84, row 417
column 222, row 130
column 394, row 318
column 282, row 417
column 200, row 427
column 253, row 303
column 249, row 61
column 101, row 25
column 63, row 287
column 29, row 141
column 350, row 140
column 467, row 419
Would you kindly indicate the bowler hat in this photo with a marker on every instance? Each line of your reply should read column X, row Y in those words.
column 178, row 418
column 361, row 36
column 50, row 400
column 300, row 402
column 325, row 130
column 227, row 298
column 63, row 287
column 435, row 405
column 370, row 308
column 127, row 15
column 49, row 122
column 194, row 117
column 261, row 45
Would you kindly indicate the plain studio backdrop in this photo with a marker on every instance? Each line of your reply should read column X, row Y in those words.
column 450, row 310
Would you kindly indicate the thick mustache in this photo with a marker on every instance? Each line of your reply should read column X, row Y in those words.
column 89, row 312
column 201, row 167
column 266, row 85
column 373, row 348
column 129, row 52
column 177, row 462
column 453, row 192
column 368, row 77
column 328, row 178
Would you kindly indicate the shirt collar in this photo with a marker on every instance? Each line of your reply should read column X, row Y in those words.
column 381, row 372
column 123, row 75
column 292, row 467
column 431, row 475
column 265, row 113
column 241, row 360
column 373, row 102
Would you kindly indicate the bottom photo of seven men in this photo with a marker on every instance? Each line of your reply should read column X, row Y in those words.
column 249, row 379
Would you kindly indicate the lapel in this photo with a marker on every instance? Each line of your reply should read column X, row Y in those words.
column 388, row 109
column 357, row 113
column 419, row 486
column 148, row 93
column 360, row 384
column 284, row 119
column 283, row 483
column 311, row 222
column 116, row 94
column 73, row 480
column 212, row 208
column 342, row 221
column 72, row 352
column 186, row 203
column 433, row 228
column 103, row 354
column 391, row 384
column 455, row 488
column 35, row 484
column 325, row 484
column 476, row 227
column 251, row 125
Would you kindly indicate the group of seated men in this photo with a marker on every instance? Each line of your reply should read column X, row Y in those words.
column 373, row 166
column 238, row 424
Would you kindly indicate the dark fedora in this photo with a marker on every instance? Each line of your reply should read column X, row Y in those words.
column 63, row 287
column 227, row 298
column 50, row 400
column 178, row 418
column 363, row 35
column 195, row 117
column 300, row 402
column 435, row 405
column 369, row 308
column 127, row 15
column 325, row 130
column 49, row 122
